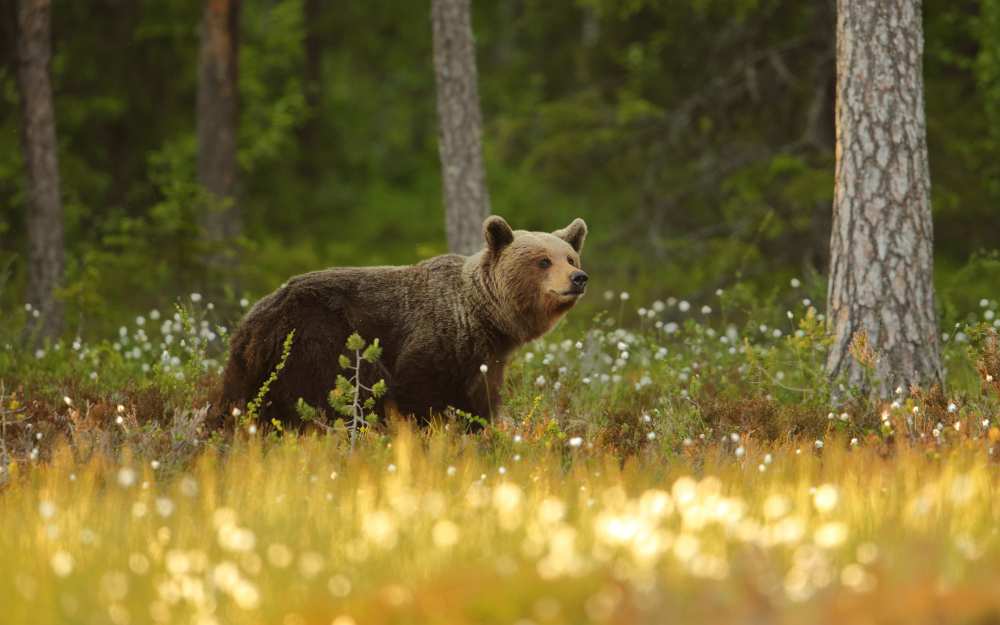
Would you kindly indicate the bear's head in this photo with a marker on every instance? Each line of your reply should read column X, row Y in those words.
column 536, row 276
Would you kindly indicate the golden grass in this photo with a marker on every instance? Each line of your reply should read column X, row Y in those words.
column 427, row 528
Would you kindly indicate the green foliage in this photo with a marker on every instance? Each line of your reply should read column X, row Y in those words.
column 352, row 397
column 693, row 136
column 253, row 408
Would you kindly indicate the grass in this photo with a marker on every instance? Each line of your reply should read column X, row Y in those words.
column 685, row 467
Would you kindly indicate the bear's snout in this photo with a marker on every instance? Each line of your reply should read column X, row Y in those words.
column 579, row 280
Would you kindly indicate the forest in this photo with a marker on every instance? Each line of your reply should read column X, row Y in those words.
column 776, row 400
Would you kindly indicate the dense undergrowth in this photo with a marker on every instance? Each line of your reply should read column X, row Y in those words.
column 649, row 379
column 670, row 458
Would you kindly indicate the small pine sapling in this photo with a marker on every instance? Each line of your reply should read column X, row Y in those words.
column 347, row 397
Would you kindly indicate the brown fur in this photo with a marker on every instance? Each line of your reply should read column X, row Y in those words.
column 438, row 321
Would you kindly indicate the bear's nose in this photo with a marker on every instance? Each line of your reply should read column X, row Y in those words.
column 579, row 279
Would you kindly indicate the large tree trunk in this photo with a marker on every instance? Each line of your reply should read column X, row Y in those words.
column 467, row 203
column 218, row 99
column 881, row 266
column 45, row 213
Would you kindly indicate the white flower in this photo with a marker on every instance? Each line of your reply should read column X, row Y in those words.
column 126, row 477
column 196, row 297
column 854, row 442
column 483, row 368
column 740, row 451
column 819, row 444
column 989, row 378
column 624, row 296
column 983, row 303
column 540, row 380
column 795, row 283
column 576, row 441
column 651, row 436
column 706, row 310
column 684, row 306
column 451, row 471
column 768, row 459
column 68, row 401
column 952, row 407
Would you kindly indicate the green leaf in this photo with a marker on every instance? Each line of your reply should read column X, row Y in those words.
column 355, row 342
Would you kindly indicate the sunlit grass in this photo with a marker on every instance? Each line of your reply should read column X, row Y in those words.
column 424, row 528
column 694, row 467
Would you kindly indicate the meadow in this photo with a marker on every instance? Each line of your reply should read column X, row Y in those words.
column 658, row 462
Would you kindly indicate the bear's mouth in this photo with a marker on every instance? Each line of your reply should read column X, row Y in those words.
column 570, row 294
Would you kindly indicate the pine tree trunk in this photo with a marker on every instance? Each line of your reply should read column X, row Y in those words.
column 881, row 265
column 45, row 213
column 467, row 203
column 218, row 99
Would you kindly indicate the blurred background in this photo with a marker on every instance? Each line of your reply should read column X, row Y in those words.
column 695, row 137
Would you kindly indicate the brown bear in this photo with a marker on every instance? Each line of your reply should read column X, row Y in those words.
column 438, row 322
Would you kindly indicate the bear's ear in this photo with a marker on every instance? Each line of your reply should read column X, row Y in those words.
column 497, row 233
column 574, row 234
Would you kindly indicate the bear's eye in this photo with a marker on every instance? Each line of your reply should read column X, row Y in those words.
column 572, row 263
column 545, row 263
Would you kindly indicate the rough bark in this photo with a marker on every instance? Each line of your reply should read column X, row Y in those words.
column 218, row 99
column 881, row 273
column 467, row 203
column 45, row 212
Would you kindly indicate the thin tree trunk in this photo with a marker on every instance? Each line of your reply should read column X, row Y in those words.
column 45, row 212
column 881, row 272
column 467, row 203
column 218, row 99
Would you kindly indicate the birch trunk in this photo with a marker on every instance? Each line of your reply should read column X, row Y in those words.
column 467, row 203
column 881, row 248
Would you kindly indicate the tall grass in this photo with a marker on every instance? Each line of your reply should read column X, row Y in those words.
column 424, row 528
column 689, row 467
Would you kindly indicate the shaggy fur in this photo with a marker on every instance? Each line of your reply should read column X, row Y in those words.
column 438, row 321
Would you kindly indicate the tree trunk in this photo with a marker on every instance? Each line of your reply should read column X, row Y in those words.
column 218, row 98
column 467, row 203
column 881, row 265
column 45, row 213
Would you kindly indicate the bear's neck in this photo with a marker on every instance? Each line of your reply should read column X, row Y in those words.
column 506, row 328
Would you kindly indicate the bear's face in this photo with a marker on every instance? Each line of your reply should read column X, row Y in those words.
column 538, row 274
